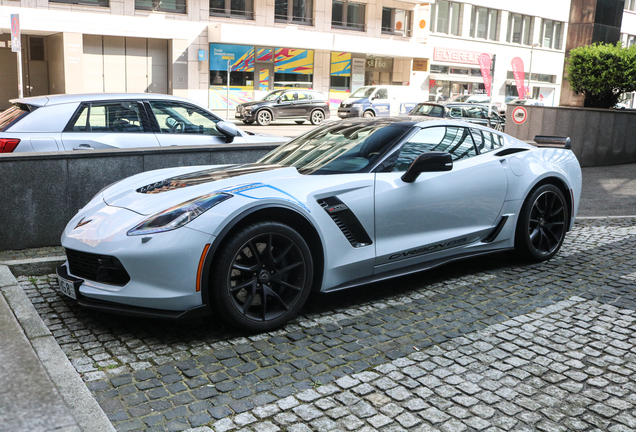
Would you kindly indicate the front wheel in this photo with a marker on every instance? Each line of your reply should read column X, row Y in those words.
column 263, row 118
column 368, row 114
column 317, row 117
column 542, row 224
column 262, row 277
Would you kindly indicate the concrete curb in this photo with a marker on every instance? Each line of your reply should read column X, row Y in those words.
column 78, row 399
column 34, row 266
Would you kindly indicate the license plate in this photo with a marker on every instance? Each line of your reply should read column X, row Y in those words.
column 67, row 287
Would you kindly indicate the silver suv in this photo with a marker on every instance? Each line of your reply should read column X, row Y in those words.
column 104, row 121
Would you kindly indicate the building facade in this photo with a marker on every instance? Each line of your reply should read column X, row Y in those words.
column 185, row 47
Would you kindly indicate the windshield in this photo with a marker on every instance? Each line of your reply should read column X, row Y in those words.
column 273, row 95
column 425, row 109
column 363, row 92
column 342, row 147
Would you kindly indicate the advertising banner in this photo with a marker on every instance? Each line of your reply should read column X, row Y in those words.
column 242, row 57
column 517, row 71
column 484, row 64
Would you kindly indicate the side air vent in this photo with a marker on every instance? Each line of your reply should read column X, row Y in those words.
column 346, row 220
column 508, row 151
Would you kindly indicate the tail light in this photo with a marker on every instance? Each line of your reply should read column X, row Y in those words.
column 7, row 145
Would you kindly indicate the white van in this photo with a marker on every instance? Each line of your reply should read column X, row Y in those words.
column 380, row 101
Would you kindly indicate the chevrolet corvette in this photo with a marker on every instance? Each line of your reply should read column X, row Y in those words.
column 346, row 204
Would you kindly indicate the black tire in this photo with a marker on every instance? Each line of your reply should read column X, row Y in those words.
column 368, row 114
column 265, row 260
column 263, row 117
column 542, row 224
column 317, row 117
column 248, row 121
column 299, row 121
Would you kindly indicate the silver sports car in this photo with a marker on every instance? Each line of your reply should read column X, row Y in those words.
column 345, row 204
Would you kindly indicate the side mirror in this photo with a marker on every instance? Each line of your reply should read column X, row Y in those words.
column 228, row 129
column 428, row 162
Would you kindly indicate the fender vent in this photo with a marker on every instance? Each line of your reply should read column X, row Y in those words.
column 508, row 151
column 346, row 220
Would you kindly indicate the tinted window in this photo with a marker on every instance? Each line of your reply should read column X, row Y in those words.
column 427, row 110
column 474, row 112
column 7, row 117
column 176, row 117
column 108, row 117
column 454, row 140
column 486, row 141
column 455, row 112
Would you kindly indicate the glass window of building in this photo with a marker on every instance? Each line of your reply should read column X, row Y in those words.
column 551, row 34
column 628, row 40
column 294, row 11
column 348, row 15
column 484, row 23
column 630, row 5
column 520, row 29
column 232, row 8
column 103, row 3
column 397, row 21
column 445, row 17
column 178, row 6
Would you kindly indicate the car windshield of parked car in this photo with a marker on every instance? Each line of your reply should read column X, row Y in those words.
column 427, row 110
column 363, row 92
column 338, row 148
column 273, row 95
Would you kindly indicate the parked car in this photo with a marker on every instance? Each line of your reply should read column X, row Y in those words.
column 106, row 121
column 469, row 112
column 293, row 103
column 380, row 101
column 345, row 204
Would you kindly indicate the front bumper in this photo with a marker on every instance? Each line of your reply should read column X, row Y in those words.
column 244, row 115
column 349, row 112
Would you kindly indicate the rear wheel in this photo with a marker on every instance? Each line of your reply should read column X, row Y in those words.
column 368, row 114
column 542, row 224
column 262, row 276
column 263, row 117
column 317, row 117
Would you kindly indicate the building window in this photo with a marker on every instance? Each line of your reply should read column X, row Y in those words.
column 628, row 40
column 396, row 21
column 103, row 3
column 232, row 8
column 551, row 34
column 446, row 17
column 348, row 15
column 630, row 5
column 520, row 29
column 294, row 11
column 484, row 23
column 545, row 78
column 178, row 6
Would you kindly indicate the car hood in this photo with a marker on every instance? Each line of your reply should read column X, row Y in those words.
column 254, row 103
column 156, row 191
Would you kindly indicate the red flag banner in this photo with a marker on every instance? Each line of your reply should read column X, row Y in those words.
column 517, row 71
column 484, row 64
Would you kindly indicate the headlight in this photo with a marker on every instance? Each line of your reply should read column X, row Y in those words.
column 177, row 216
column 248, row 109
column 356, row 106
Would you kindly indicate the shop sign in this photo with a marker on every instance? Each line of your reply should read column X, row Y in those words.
column 357, row 73
column 420, row 65
column 380, row 64
column 456, row 56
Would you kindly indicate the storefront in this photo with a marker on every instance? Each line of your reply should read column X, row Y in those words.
column 454, row 72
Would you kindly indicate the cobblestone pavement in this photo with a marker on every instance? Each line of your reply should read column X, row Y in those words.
column 487, row 344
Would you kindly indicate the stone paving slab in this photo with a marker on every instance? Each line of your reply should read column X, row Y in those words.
column 483, row 344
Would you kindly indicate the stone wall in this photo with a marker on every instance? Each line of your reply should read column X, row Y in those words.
column 40, row 192
column 599, row 136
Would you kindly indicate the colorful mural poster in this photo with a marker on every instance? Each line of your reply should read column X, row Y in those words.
column 294, row 61
column 340, row 64
column 241, row 57
column 264, row 54
column 238, row 95
column 263, row 79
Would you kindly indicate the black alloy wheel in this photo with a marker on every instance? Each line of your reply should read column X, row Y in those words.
column 542, row 223
column 263, row 276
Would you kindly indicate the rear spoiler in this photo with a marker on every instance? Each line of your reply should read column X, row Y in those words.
column 553, row 141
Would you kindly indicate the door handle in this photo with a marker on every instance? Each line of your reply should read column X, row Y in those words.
column 84, row 147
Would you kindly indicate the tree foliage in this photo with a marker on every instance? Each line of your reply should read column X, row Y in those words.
column 601, row 72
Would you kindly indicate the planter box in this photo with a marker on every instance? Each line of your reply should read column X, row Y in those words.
column 599, row 136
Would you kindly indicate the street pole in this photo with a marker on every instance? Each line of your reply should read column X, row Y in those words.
column 530, row 66
column 20, row 85
column 227, row 93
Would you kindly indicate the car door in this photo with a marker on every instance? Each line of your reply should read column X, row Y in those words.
column 380, row 102
column 182, row 124
column 439, row 211
column 304, row 104
column 285, row 106
column 108, row 124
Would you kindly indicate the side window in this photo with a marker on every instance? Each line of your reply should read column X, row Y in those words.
column 177, row 117
column 455, row 140
column 456, row 112
column 382, row 94
column 486, row 141
column 474, row 112
column 287, row 97
column 303, row 96
column 108, row 117
column 436, row 111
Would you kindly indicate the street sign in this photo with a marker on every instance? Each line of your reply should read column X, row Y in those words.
column 15, row 33
column 519, row 115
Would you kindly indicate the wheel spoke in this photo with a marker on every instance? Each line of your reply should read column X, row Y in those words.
column 284, row 270
column 288, row 285
column 245, row 268
column 254, row 251
column 243, row 285
column 269, row 292
column 283, row 253
column 248, row 303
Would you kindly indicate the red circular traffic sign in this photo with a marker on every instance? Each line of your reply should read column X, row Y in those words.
column 15, row 26
column 519, row 115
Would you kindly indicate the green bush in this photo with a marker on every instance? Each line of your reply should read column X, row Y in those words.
column 601, row 72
